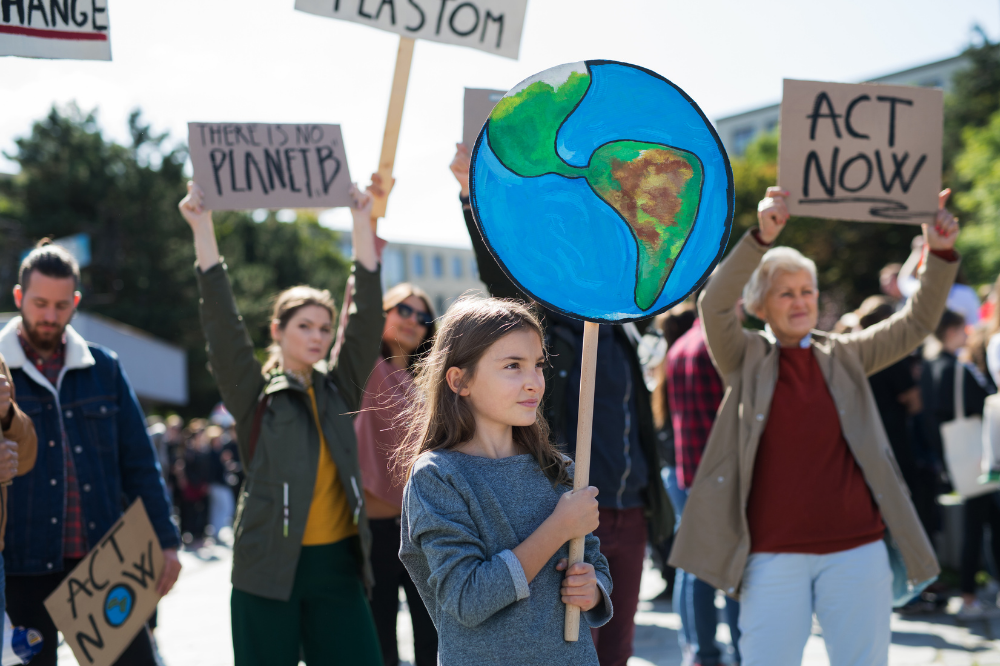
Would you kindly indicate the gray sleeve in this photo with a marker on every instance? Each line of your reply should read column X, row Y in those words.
column 600, row 614
column 465, row 582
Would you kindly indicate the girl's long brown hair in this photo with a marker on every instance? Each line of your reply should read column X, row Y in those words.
column 438, row 418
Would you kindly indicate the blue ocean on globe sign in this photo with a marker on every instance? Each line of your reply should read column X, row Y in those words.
column 602, row 190
column 118, row 605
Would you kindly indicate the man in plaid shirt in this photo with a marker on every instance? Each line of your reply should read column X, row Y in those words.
column 694, row 392
column 94, row 455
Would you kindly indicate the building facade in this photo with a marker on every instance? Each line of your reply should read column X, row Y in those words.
column 445, row 273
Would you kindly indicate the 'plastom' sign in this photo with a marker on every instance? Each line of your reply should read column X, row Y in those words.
column 493, row 26
column 74, row 29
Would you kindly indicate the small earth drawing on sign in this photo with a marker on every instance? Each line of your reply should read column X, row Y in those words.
column 118, row 605
column 603, row 190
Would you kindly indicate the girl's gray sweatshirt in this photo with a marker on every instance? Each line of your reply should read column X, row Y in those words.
column 462, row 517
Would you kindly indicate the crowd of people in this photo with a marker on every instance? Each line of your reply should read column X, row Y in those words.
column 389, row 447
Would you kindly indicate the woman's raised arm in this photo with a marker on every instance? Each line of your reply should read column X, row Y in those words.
column 200, row 220
column 885, row 343
column 230, row 350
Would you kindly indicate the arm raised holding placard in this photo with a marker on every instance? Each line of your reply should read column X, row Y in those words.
column 301, row 516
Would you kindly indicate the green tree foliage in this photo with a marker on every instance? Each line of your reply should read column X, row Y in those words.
column 972, row 156
column 74, row 180
column 974, row 98
column 848, row 255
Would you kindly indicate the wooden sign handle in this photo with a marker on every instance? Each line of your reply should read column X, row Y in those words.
column 393, row 119
column 581, row 475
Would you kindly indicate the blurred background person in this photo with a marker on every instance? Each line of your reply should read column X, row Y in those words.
column 938, row 390
column 695, row 391
column 407, row 335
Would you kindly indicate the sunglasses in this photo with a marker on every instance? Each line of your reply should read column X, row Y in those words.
column 423, row 318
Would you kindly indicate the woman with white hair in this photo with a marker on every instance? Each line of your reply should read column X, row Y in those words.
column 798, row 506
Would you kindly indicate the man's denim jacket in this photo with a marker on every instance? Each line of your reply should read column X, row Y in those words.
column 106, row 432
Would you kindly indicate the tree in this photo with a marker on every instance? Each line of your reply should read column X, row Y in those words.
column 974, row 98
column 73, row 180
column 972, row 151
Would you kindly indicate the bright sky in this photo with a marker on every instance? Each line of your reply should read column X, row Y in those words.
column 259, row 60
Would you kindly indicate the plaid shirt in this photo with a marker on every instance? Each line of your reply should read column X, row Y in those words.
column 74, row 538
column 694, row 391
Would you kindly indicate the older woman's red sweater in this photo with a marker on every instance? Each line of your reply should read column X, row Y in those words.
column 808, row 493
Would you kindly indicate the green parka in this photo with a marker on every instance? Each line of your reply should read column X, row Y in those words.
column 265, row 556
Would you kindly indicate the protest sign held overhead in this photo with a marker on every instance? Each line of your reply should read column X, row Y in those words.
column 493, row 26
column 864, row 152
column 74, row 29
column 242, row 166
column 105, row 601
column 479, row 102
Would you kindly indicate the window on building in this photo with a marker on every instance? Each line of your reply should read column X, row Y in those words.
column 437, row 266
column 417, row 259
column 456, row 267
column 393, row 267
column 473, row 268
column 439, row 304
column 742, row 138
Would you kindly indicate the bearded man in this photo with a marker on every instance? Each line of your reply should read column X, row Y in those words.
column 94, row 455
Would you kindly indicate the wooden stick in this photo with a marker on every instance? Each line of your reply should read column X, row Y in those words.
column 581, row 475
column 393, row 119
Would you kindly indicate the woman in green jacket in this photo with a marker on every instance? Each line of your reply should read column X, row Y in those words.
column 301, row 552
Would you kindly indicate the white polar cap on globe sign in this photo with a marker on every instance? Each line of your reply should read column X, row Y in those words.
column 555, row 76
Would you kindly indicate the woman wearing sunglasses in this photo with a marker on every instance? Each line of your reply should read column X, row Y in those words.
column 409, row 328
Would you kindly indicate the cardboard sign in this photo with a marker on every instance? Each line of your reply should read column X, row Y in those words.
column 864, row 152
column 76, row 29
column 479, row 103
column 242, row 166
column 493, row 26
column 105, row 601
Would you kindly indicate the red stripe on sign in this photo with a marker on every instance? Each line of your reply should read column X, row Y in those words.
column 54, row 34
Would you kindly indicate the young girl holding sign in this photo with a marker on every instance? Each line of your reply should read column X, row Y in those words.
column 486, row 510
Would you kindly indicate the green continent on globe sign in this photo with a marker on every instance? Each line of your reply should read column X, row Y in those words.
column 655, row 189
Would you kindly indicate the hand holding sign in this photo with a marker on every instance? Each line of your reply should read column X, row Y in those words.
column 8, row 460
column 772, row 214
column 944, row 232
column 460, row 167
column 171, row 571
column 579, row 588
column 199, row 218
column 193, row 209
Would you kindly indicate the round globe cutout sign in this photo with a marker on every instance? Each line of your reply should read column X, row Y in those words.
column 602, row 190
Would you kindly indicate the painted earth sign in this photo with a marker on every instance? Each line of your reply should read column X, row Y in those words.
column 602, row 190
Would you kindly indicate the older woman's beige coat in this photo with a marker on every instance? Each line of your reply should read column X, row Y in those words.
column 713, row 542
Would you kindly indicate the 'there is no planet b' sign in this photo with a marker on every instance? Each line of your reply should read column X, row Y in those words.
column 242, row 166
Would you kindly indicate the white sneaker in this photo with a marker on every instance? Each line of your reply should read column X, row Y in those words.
column 970, row 611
